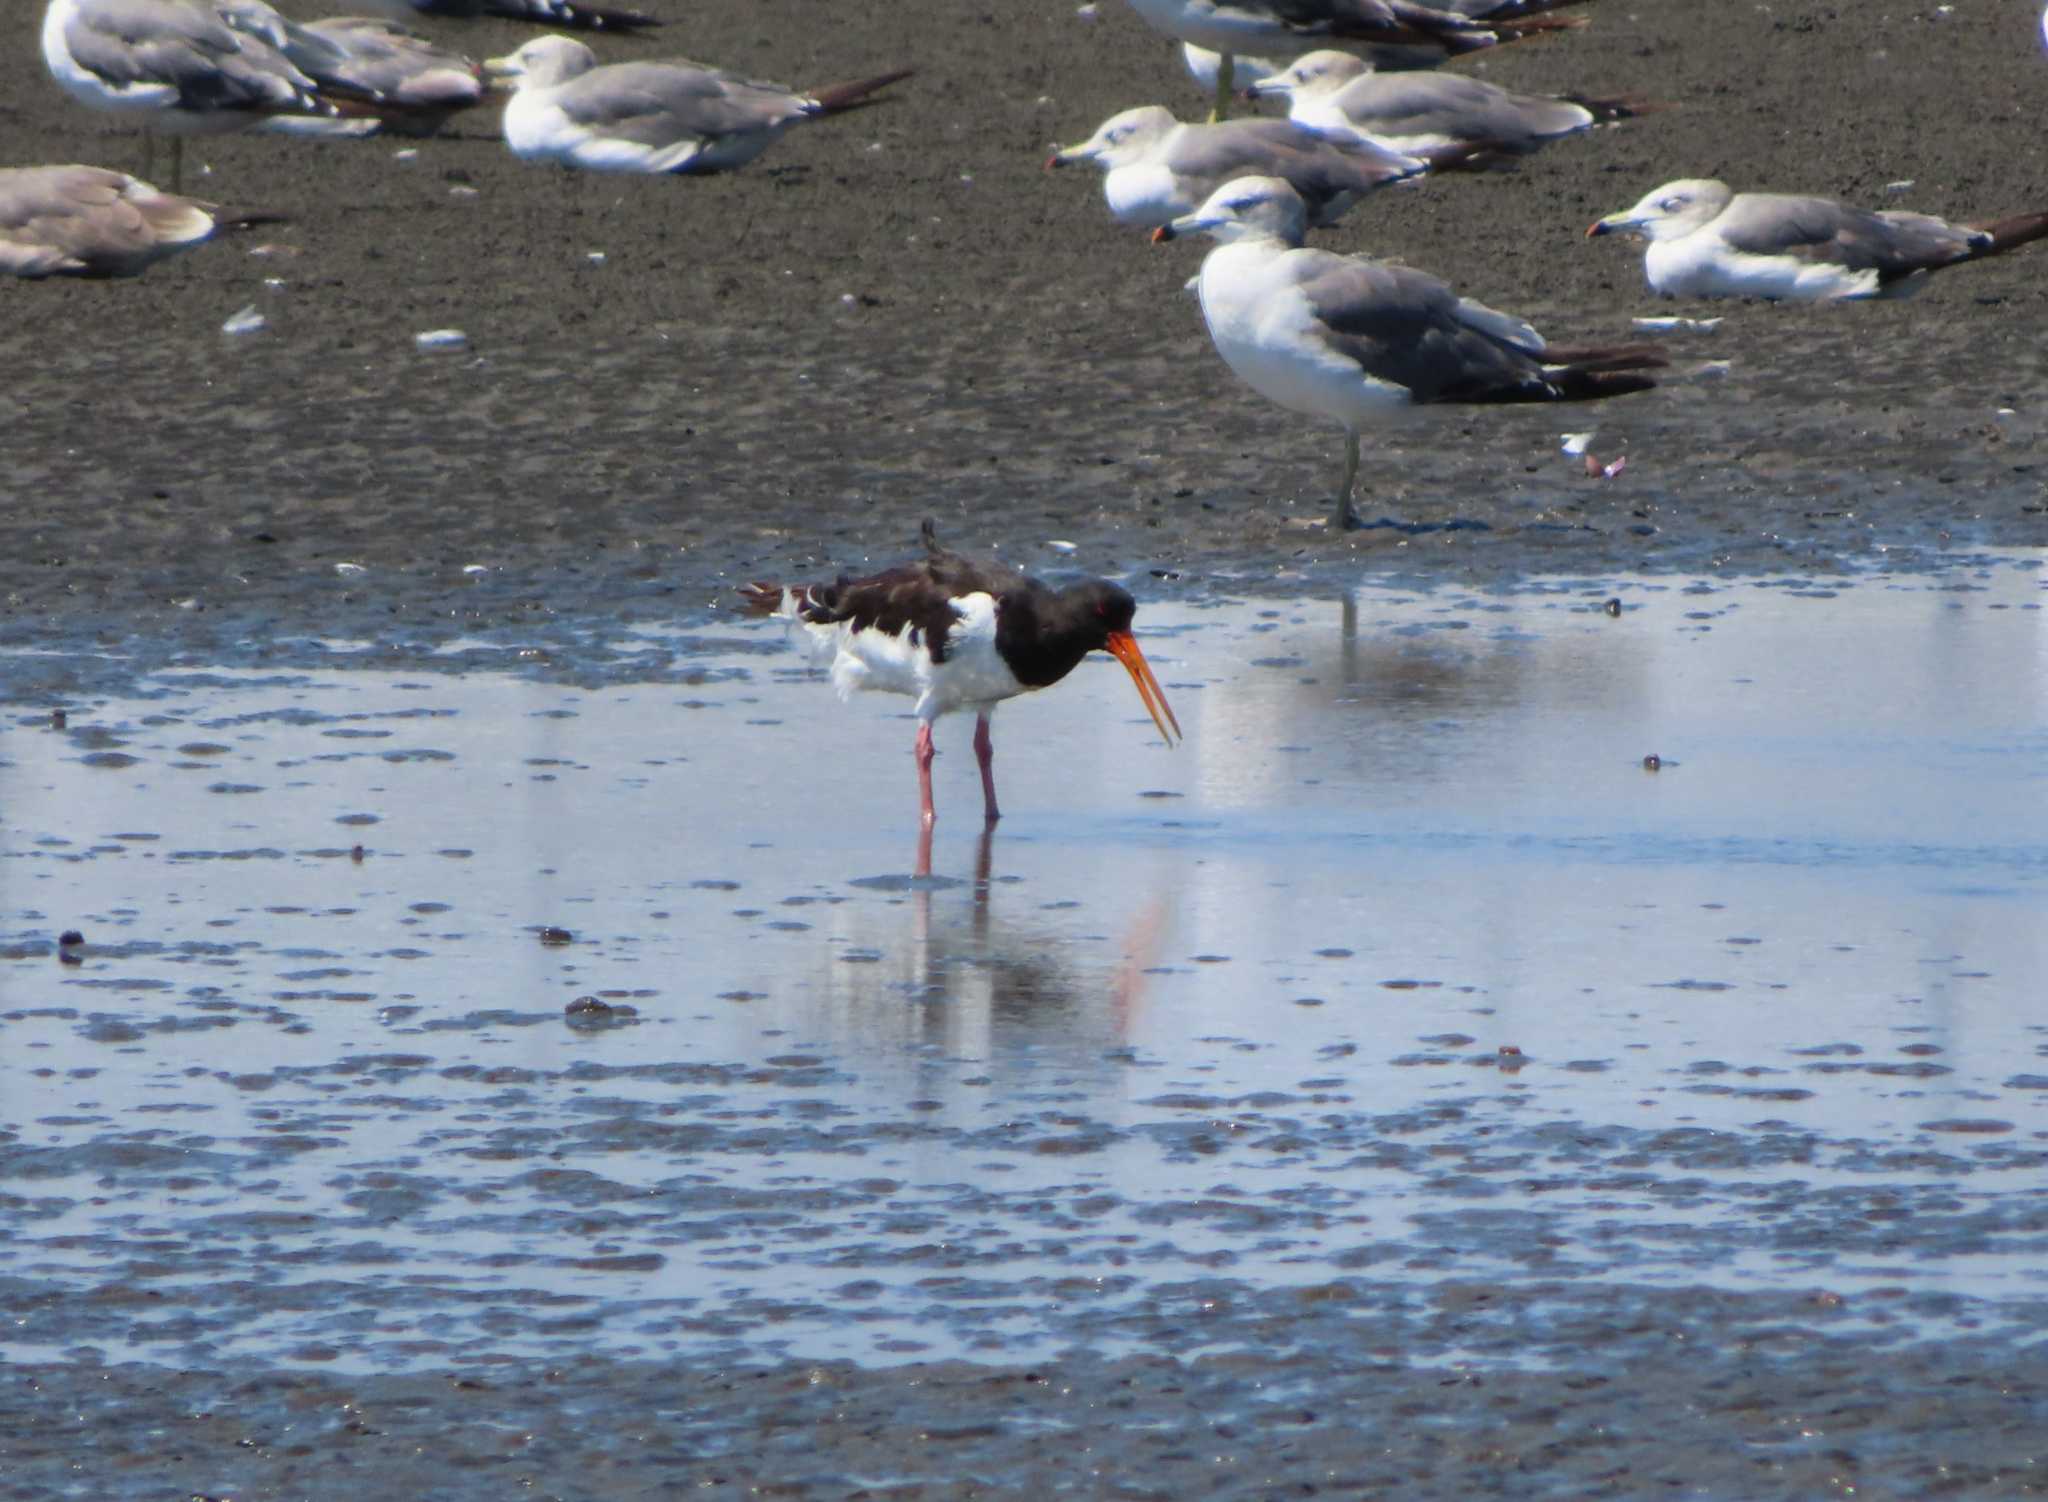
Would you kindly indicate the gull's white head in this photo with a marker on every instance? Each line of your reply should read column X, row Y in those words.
column 1677, row 208
column 1245, row 208
column 542, row 62
column 1311, row 76
column 1121, row 140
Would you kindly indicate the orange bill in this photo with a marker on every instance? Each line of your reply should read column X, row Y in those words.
column 1124, row 648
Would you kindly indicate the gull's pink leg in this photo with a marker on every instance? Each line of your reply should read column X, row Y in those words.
column 925, row 753
column 985, row 753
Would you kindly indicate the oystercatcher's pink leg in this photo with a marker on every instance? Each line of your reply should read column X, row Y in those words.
column 985, row 753
column 925, row 753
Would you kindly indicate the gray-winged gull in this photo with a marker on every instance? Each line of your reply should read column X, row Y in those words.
column 415, row 84
column 651, row 116
column 180, row 66
column 1343, row 96
column 572, row 14
column 1287, row 28
column 1158, row 168
column 94, row 222
column 1707, row 240
column 1359, row 341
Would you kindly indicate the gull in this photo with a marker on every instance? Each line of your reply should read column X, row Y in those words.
column 1288, row 28
column 95, row 222
column 960, row 633
column 651, row 116
column 1708, row 241
column 1342, row 96
column 1358, row 341
column 415, row 84
column 1158, row 168
column 180, row 66
column 565, row 13
column 1204, row 65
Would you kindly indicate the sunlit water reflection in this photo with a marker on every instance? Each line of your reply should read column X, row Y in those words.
column 1403, row 976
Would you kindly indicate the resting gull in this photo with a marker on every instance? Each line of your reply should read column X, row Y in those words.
column 1287, row 28
column 1356, row 340
column 1342, row 96
column 1709, row 241
column 571, row 14
column 94, row 222
column 1158, row 168
column 415, row 84
column 651, row 116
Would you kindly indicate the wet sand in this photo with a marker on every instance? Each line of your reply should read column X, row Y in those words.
column 898, row 314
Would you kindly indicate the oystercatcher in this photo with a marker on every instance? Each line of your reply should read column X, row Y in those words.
column 961, row 633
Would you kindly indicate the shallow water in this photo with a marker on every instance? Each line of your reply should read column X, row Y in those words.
column 1405, row 975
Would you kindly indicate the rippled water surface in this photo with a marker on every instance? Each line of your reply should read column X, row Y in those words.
column 428, row 1019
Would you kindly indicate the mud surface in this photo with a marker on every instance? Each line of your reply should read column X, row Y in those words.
column 671, row 385
column 898, row 313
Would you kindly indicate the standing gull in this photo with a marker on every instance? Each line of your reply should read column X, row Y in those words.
column 1709, row 241
column 1158, row 168
column 961, row 633
column 93, row 222
column 1287, row 28
column 1358, row 341
column 651, row 116
column 1342, row 96
column 179, row 66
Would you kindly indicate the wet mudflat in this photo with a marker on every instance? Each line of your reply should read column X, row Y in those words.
column 493, row 1081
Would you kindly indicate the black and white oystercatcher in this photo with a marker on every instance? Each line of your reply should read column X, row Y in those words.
column 961, row 633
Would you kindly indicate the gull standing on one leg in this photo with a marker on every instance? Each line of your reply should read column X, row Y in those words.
column 1358, row 341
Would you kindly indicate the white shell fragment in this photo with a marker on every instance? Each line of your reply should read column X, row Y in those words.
column 1061, row 545
column 442, row 339
column 248, row 321
column 1675, row 325
column 349, row 570
column 1574, row 444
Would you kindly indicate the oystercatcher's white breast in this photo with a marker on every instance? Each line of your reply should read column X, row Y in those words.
column 870, row 660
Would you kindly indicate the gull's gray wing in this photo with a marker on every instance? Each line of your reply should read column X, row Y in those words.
column 1401, row 325
column 1820, row 230
column 384, row 60
column 185, row 47
column 80, row 221
column 660, row 104
column 1455, row 106
column 1320, row 170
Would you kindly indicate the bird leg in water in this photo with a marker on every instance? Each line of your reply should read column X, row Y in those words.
column 1341, row 515
column 985, row 753
column 925, row 753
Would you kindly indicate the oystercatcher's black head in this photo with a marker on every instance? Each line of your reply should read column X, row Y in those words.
column 1043, row 634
